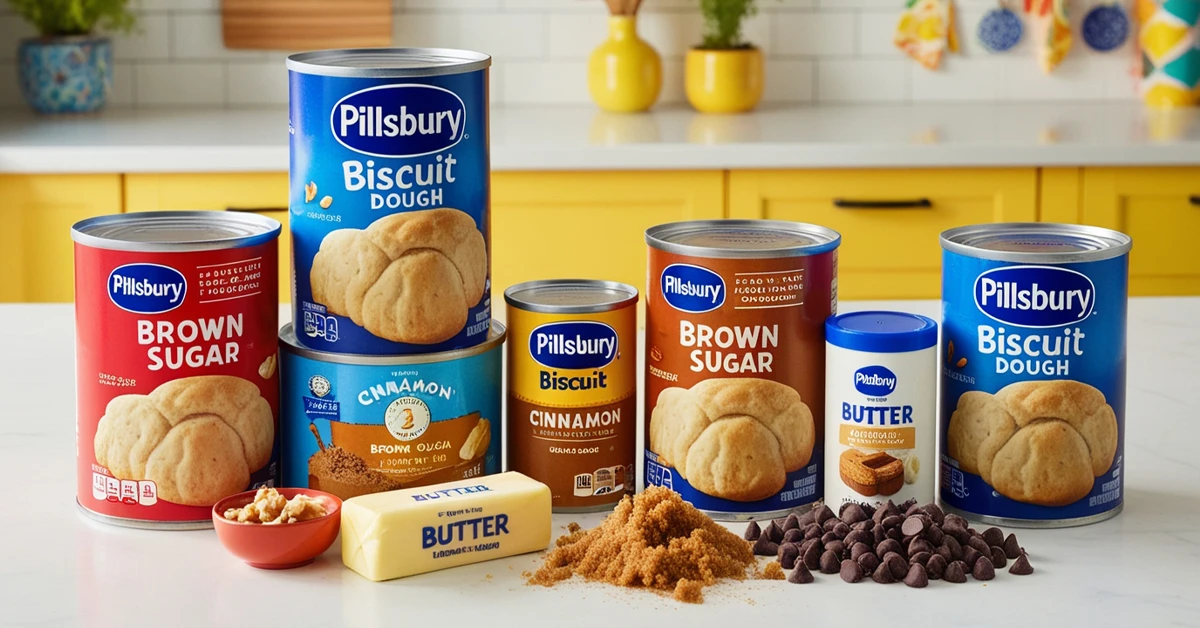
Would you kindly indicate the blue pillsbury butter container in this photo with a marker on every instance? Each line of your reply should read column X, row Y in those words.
column 1032, row 418
column 880, row 408
column 389, row 199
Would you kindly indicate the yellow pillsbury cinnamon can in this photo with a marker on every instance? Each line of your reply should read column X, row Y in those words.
column 572, row 389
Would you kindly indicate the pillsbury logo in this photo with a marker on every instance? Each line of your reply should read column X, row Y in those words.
column 146, row 288
column 1035, row 296
column 692, row 289
column 875, row 381
column 406, row 120
column 573, row 345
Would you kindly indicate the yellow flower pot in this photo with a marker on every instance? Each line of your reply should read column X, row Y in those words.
column 624, row 73
column 724, row 81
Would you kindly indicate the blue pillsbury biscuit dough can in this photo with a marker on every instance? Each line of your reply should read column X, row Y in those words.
column 1032, row 417
column 389, row 200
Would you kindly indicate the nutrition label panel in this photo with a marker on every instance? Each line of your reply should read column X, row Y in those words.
column 230, row 280
column 768, row 290
column 132, row 492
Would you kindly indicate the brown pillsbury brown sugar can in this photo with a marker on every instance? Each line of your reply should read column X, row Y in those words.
column 572, row 389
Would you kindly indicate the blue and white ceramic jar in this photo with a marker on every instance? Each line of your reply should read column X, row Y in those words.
column 65, row 74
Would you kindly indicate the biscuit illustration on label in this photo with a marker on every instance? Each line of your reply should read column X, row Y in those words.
column 1038, row 442
column 869, row 474
column 734, row 438
column 477, row 441
column 408, row 277
column 197, row 438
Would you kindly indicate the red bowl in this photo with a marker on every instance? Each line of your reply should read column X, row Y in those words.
column 279, row 546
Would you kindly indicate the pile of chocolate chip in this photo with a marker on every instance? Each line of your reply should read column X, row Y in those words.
column 910, row 543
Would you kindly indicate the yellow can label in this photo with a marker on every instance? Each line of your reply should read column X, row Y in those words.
column 572, row 360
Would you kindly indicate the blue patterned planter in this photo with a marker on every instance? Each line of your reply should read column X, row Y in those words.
column 65, row 74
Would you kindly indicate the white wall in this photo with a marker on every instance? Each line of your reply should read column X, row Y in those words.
column 818, row 51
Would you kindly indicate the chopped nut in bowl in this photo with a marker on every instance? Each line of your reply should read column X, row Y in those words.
column 278, row 528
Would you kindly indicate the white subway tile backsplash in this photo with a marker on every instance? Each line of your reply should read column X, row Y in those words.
column 815, row 34
column 180, row 84
column 861, row 80
column 256, row 83
column 816, row 51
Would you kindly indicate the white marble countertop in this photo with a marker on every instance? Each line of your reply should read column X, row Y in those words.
column 59, row 569
column 583, row 138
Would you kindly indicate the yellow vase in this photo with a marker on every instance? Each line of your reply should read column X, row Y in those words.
column 724, row 81
column 624, row 73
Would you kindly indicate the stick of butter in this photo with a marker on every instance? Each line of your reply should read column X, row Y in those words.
column 402, row 533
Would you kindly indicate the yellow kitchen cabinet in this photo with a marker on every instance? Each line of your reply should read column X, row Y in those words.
column 589, row 224
column 1160, row 209
column 889, row 219
column 263, row 193
column 36, row 250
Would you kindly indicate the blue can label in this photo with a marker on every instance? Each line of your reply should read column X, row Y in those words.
column 1033, row 387
column 389, row 200
column 357, row 429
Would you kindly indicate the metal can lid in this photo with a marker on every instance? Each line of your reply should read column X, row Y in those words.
column 570, row 296
column 176, row 231
column 1036, row 242
column 881, row 331
column 742, row 239
column 388, row 62
column 289, row 344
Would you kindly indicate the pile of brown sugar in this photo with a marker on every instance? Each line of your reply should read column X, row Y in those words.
column 346, row 475
column 656, row 541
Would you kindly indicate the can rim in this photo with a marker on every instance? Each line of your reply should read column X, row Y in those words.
column 335, row 62
column 1101, row 243
column 541, row 308
column 290, row 344
column 256, row 229
column 658, row 237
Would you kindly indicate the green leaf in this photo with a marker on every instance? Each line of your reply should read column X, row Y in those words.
column 75, row 17
column 723, row 22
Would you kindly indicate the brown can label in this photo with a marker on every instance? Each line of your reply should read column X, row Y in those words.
column 572, row 403
column 735, row 360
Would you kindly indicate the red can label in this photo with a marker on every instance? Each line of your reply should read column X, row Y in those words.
column 178, row 394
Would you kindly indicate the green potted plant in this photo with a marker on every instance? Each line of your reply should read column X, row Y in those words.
column 68, row 67
column 724, row 74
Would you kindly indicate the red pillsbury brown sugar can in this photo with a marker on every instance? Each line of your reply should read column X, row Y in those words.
column 735, row 362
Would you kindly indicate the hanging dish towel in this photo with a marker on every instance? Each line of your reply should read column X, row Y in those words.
column 1051, row 31
column 926, row 31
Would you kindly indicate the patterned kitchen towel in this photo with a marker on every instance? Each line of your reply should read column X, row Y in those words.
column 1051, row 31
column 926, row 31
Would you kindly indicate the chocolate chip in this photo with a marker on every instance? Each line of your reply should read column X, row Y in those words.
column 868, row 509
column 884, row 511
column 807, row 518
column 935, row 513
column 813, row 531
column 841, row 529
column 869, row 562
column 773, row 532
column 793, row 536
column 788, row 553
column 837, row 547
column 998, row 559
column 865, row 524
column 911, row 510
column 918, row 546
column 829, row 524
column 800, row 575
column 752, row 532
column 908, row 504
column 858, row 549
column 764, row 547
column 897, row 564
column 888, row 545
column 979, row 544
column 956, row 532
column 956, row 550
column 859, row 536
column 955, row 520
column 970, row 557
column 879, row 533
column 853, row 513
column 829, row 537
column 920, row 558
column 1021, row 566
column 812, row 556
column 851, row 571
column 934, row 535
column 892, row 521
column 944, row 552
column 894, row 533
column 983, row 569
column 1012, row 549
column 791, row 523
column 993, row 536
column 823, row 515
column 955, row 572
column 883, row 575
column 917, row 578
column 830, row 563
column 936, row 567
column 914, row 525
